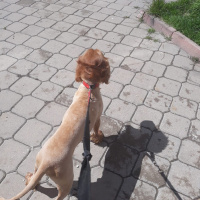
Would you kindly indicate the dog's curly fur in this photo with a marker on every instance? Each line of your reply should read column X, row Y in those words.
column 55, row 157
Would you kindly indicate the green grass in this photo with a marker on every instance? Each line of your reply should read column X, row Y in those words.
column 183, row 15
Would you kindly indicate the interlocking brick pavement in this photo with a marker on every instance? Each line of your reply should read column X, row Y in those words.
column 151, row 115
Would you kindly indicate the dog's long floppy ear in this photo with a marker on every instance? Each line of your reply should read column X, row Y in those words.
column 78, row 73
column 105, row 71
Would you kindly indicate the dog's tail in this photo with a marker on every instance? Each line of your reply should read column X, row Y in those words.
column 32, row 184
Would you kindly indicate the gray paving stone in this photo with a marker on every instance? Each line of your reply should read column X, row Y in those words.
column 11, row 157
column 25, row 2
column 2, row 175
column 144, row 114
column 28, row 164
column 43, row 72
column 95, row 33
column 190, row 91
column 89, row 22
column 183, row 62
column 63, row 78
column 103, row 45
column 142, row 54
column 121, row 164
column 114, row 19
column 163, row 58
column 166, row 193
column 39, row 56
column 114, row 60
column 84, row 42
column 6, row 62
column 53, row 7
column 198, row 113
column 22, row 67
column 106, row 26
column 153, row 69
column 53, row 46
column 47, row 91
column 197, row 67
column 62, row 26
column 98, row 16
column 58, row 16
column 32, row 133
column 122, row 50
column 78, row 5
column 101, row 3
column 93, row 8
column 107, row 11
column 49, row 33
column 150, row 44
column 169, row 48
column 58, row 61
column 101, row 179
column 30, row 20
column 193, row 77
column 96, row 150
column 14, row 181
column 113, row 37
column 32, row 30
column 83, row 13
column 122, row 76
column 25, row 85
column 176, row 73
column 194, row 132
column 132, row 64
column 66, row 97
column 20, row 52
column 3, row 5
column 3, row 14
column 133, row 94
column 35, row 42
column 72, row 50
column 68, row 10
column 175, row 125
column 27, row 10
column 79, row 29
column 112, row 90
column 184, row 107
column 13, row 8
column 191, row 157
column 136, row 189
column 8, row 99
column 144, row 165
column 7, row 79
column 125, row 109
column 168, row 86
column 46, row 23
column 158, row 101
column 138, row 32
column 5, row 47
column 52, row 114
column 72, row 19
column 131, row 22
column 110, row 128
column 4, row 23
column 39, row 5
column 131, row 41
column 106, row 102
column 115, row 6
column 10, row 123
column 72, row 65
column 42, row 13
column 121, row 29
column 28, row 107
column 4, row 34
column 134, row 137
column 185, row 179
column 122, row 14
column 144, row 81
column 164, row 145
column 16, row 27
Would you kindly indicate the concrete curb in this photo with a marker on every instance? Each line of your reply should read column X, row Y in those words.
column 176, row 37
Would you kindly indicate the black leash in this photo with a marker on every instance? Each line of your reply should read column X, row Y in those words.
column 85, row 174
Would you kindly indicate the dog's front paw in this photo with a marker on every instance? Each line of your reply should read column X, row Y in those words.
column 97, row 138
column 28, row 178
